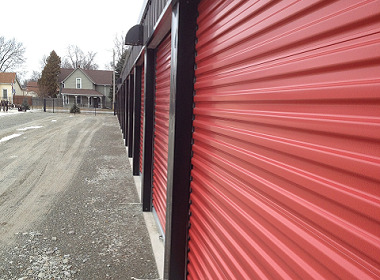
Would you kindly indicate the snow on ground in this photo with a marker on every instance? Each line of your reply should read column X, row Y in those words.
column 10, row 137
column 10, row 112
column 15, row 111
column 30, row 127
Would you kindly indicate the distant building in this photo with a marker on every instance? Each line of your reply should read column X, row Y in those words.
column 32, row 89
column 9, row 86
column 87, row 88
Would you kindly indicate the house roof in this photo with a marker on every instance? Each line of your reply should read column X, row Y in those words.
column 32, row 86
column 65, row 72
column 7, row 78
column 98, row 77
column 83, row 92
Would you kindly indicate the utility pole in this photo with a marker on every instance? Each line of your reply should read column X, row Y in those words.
column 113, row 94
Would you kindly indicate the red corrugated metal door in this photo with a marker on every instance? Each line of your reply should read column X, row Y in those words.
column 286, row 154
column 142, row 121
column 161, row 129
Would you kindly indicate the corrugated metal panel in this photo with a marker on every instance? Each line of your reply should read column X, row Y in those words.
column 161, row 129
column 152, row 12
column 286, row 165
column 142, row 120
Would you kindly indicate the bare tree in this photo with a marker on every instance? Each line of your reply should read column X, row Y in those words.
column 118, row 48
column 35, row 76
column 11, row 54
column 77, row 58
column 43, row 61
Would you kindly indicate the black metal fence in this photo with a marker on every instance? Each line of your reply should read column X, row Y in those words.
column 47, row 104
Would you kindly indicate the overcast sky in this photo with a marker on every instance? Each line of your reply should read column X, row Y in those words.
column 46, row 25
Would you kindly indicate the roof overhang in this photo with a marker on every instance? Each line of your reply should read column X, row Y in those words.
column 81, row 92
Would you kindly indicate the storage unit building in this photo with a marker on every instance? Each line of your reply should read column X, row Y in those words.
column 261, row 136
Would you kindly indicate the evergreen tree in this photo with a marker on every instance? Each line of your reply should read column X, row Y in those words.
column 48, row 83
column 118, row 70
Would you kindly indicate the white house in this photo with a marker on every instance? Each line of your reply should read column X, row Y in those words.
column 9, row 86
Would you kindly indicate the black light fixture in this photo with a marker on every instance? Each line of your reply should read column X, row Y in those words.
column 134, row 36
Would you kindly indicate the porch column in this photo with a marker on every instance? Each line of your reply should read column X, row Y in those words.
column 63, row 100
column 101, row 102
column 76, row 98
column 88, row 101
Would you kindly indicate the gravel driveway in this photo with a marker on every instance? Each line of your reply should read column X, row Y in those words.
column 68, row 205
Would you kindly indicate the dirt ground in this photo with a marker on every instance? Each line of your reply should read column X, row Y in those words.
column 68, row 205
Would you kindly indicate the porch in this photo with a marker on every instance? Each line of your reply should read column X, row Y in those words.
column 82, row 97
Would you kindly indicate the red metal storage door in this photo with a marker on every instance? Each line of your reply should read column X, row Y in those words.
column 161, row 129
column 286, row 154
column 142, row 121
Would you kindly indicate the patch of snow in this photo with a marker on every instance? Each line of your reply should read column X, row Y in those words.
column 6, row 138
column 29, row 127
column 10, row 112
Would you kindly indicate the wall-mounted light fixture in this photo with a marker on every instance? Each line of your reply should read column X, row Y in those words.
column 134, row 36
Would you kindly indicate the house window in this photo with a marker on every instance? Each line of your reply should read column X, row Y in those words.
column 78, row 100
column 79, row 83
column 5, row 93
